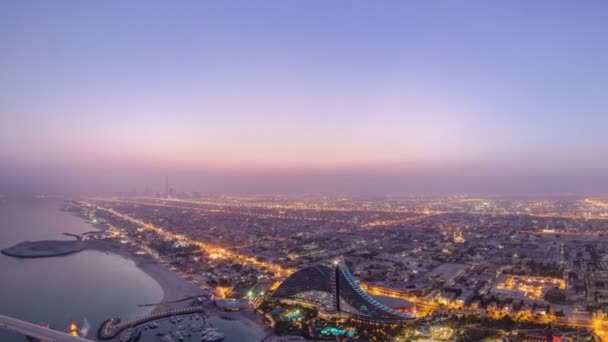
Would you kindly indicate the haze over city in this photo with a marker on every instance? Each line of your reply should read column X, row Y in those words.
column 275, row 97
column 292, row 171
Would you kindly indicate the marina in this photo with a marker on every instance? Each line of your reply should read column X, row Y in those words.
column 195, row 327
column 186, row 325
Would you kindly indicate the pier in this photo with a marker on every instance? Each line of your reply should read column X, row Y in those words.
column 169, row 302
column 76, row 236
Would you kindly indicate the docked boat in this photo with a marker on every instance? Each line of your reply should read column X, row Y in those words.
column 84, row 328
column 212, row 335
column 130, row 335
column 196, row 327
column 167, row 338
column 178, row 335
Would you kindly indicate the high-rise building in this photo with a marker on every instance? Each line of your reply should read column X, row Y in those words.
column 167, row 186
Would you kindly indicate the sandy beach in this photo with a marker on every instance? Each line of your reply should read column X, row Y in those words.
column 174, row 287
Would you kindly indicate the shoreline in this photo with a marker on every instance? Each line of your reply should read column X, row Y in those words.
column 177, row 291
column 174, row 287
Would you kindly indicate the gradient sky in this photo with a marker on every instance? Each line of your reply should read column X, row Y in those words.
column 361, row 97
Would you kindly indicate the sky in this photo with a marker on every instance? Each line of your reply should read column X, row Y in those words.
column 327, row 97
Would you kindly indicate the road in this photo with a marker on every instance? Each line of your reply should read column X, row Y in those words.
column 212, row 250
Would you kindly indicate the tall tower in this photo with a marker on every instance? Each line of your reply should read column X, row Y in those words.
column 167, row 186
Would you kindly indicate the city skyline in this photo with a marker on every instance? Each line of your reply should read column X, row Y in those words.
column 290, row 98
column 271, row 171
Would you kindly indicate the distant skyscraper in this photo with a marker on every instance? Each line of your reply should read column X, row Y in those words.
column 166, row 186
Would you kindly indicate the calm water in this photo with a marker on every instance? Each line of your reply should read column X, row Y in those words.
column 89, row 284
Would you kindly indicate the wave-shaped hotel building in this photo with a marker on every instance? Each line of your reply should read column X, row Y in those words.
column 334, row 289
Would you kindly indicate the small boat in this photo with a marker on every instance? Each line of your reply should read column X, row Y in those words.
column 130, row 335
column 196, row 327
column 178, row 335
column 212, row 335
column 167, row 338
column 84, row 329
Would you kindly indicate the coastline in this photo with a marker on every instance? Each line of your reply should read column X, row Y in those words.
column 173, row 285
column 177, row 288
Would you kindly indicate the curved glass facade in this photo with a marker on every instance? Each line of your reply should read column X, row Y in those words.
column 355, row 301
column 335, row 288
column 312, row 284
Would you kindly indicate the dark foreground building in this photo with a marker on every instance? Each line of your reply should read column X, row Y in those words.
column 334, row 289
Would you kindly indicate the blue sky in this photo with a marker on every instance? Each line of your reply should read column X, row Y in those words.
column 344, row 96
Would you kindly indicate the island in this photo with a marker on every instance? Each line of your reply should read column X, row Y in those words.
column 45, row 248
